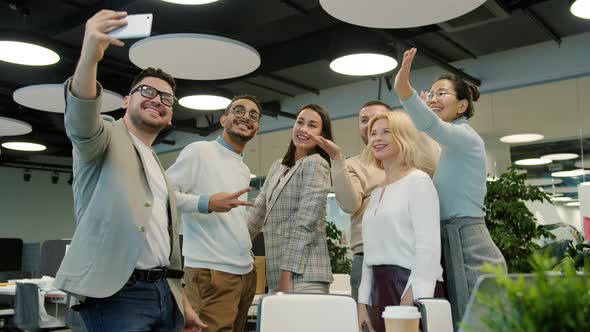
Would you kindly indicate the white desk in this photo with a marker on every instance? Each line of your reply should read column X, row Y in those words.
column 56, row 296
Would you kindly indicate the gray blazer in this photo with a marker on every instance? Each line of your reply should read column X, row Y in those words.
column 291, row 214
column 112, row 202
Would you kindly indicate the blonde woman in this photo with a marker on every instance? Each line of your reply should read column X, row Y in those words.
column 401, row 225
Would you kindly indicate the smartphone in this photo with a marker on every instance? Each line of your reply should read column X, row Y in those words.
column 138, row 26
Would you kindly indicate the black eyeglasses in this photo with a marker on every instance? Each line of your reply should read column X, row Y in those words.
column 150, row 92
column 439, row 94
column 240, row 111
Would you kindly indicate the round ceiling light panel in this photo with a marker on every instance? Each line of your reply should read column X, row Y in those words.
column 542, row 182
column 363, row 64
column 533, row 162
column 26, row 54
column 204, row 102
column 396, row 14
column 195, row 56
column 570, row 174
column 13, row 127
column 190, row 2
column 521, row 138
column 50, row 98
column 560, row 156
column 581, row 9
column 24, row 146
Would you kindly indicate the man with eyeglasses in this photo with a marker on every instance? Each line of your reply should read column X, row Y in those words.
column 219, row 272
column 123, row 262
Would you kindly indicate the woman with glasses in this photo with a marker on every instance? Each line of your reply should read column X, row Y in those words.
column 460, row 178
column 291, row 209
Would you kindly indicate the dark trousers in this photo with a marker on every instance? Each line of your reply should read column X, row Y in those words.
column 138, row 306
column 389, row 282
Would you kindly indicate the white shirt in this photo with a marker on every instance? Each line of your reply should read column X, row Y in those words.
column 216, row 241
column 402, row 227
column 156, row 249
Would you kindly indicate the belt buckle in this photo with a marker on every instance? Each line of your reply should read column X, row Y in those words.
column 155, row 275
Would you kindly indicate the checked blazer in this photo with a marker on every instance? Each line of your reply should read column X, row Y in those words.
column 291, row 211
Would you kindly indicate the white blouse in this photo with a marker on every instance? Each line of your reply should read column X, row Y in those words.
column 401, row 226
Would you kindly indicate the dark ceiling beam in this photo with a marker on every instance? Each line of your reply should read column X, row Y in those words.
column 456, row 44
column 543, row 25
column 293, row 83
column 519, row 4
column 296, row 6
column 201, row 131
column 274, row 109
column 79, row 19
column 262, row 86
column 431, row 55
column 37, row 166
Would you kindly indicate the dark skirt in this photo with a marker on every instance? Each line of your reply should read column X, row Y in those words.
column 389, row 282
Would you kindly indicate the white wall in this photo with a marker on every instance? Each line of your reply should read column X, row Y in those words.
column 37, row 210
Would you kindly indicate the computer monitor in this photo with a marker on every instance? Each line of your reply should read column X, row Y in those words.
column 11, row 254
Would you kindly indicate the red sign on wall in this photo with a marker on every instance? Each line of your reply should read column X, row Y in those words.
column 586, row 228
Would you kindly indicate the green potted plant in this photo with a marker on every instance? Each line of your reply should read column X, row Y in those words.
column 339, row 258
column 511, row 224
column 545, row 303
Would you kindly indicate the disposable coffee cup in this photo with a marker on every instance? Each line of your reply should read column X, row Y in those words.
column 401, row 318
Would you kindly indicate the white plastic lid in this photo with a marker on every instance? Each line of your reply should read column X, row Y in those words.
column 401, row 312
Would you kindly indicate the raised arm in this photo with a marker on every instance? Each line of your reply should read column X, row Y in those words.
column 449, row 134
column 347, row 187
column 82, row 120
column 96, row 41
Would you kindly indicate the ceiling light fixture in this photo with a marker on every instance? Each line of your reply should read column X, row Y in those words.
column 541, row 182
column 572, row 204
column 204, row 102
column 533, row 162
column 24, row 146
column 561, row 199
column 560, row 156
column 521, row 138
column 252, row 176
column 54, row 177
column 363, row 64
column 331, row 195
column 190, row 2
column 27, row 175
column 570, row 173
column 26, row 54
column 581, row 9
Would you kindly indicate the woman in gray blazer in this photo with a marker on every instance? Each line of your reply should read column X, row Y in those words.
column 291, row 209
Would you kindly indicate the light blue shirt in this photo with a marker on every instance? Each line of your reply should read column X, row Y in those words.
column 204, row 199
column 460, row 178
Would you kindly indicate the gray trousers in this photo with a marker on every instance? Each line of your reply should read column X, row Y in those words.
column 466, row 247
column 356, row 274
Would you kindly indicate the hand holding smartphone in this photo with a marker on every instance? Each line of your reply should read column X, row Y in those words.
column 138, row 26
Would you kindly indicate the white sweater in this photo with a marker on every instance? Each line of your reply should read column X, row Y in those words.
column 217, row 241
column 403, row 229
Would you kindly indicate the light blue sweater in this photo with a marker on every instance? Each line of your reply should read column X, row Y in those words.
column 460, row 178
